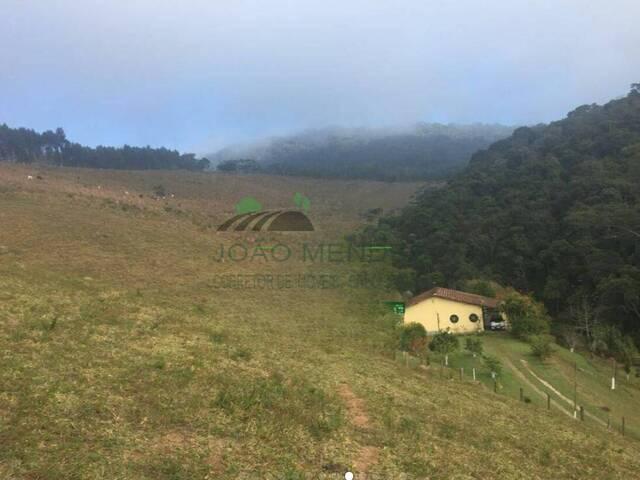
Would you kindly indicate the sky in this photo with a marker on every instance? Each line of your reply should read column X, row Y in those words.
column 198, row 75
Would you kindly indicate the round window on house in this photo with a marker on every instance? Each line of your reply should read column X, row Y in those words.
column 473, row 317
column 454, row 318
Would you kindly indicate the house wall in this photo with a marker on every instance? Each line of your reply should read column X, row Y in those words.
column 434, row 313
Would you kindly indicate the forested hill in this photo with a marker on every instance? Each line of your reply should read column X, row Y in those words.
column 421, row 152
column 26, row 146
column 553, row 210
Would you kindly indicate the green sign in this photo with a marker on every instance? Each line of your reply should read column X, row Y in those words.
column 396, row 307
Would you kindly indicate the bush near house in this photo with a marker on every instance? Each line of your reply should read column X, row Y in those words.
column 526, row 316
column 413, row 338
column 541, row 346
column 474, row 345
column 444, row 343
column 493, row 364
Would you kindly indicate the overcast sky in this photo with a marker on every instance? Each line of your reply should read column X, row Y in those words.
column 196, row 75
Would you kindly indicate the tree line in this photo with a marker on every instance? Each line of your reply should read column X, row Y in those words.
column 24, row 145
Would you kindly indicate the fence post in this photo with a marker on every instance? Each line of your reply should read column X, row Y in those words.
column 548, row 401
column 474, row 374
column 495, row 386
column 521, row 395
column 461, row 372
column 623, row 426
column 581, row 413
column 614, row 374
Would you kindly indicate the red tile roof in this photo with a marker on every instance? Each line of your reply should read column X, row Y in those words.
column 456, row 296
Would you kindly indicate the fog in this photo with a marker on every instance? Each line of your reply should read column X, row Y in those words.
column 197, row 75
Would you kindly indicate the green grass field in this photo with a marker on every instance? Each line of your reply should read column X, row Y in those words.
column 121, row 359
column 563, row 376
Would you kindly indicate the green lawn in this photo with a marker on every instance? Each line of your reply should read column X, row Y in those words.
column 593, row 380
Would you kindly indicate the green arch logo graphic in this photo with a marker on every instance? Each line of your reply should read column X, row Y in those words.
column 249, row 215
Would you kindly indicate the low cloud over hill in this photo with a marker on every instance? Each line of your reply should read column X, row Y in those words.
column 422, row 151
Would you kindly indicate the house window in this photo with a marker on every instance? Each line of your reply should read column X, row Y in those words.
column 473, row 317
column 454, row 319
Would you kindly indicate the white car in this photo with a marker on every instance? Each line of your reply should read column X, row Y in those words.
column 494, row 325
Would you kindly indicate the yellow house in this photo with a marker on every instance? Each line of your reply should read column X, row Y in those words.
column 440, row 309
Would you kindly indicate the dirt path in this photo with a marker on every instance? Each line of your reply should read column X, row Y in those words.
column 531, row 385
column 558, row 393
column 368, row 454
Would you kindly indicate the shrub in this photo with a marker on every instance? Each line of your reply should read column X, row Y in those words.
column 474, row 345
column 606, row 339
column 541, row 346
column 525, row 315
column 413, row 338
column 625, row 353
column 444, row 342
column 493, row 364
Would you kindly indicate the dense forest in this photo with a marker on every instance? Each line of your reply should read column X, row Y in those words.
column 553, row 210
column 26, row 146
column 421, row 152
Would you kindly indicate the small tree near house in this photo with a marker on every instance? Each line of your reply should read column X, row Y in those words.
column 474, row 345
column 526, row 316
column 413, row 338
column 494, row 365
column 541, row 346
column 444, row 343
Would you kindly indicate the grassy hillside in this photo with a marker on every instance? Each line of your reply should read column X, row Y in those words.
column 558, row 376
column 122, row 359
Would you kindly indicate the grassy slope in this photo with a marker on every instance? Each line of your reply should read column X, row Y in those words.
column 593, row 381
column 119, row 359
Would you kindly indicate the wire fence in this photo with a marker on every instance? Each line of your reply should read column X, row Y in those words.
column 551, row 401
